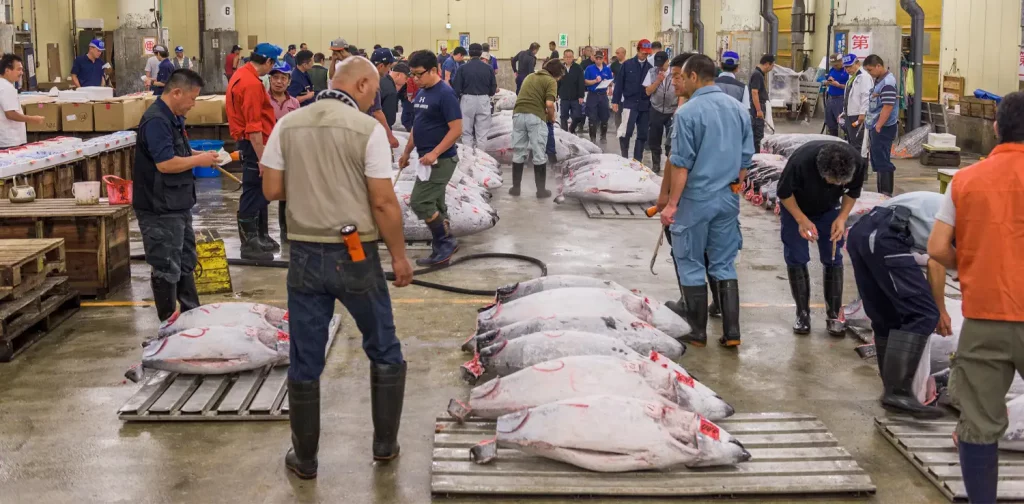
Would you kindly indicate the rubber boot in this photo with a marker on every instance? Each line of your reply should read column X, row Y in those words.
column 885, row 182
column 604, row 131
column 729, row 290
column 164, row 297
column 881, row 345
column 593, row 133
column 800, row 286
column 715, row 309
column 266, row 242
column 188, row 295
column 249, row 235
column 517, row 178
column 443, row 244
column 573, row 126
column 540, row 177
column 282, row 220
column 656, row 163
column 552, row 159
column 304, row 416
column 624, row 147
column 902, row 355
column 979, row 465
column 387, row 392
column 564, row 123
column 696, row 315
column 834, row 301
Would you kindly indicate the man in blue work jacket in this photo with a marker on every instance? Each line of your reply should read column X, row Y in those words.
column 597, row 96
column 712, row 146
column 835, row 83
column 301, row 86
column 631, row 95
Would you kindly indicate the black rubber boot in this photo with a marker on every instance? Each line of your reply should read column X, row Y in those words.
column 881, row 345
column 282, row 220
column 164, row 297
column 715, row 309
column 573, row 126
column 188, row 296
column 729, row 290
column 540, row 177
column 979, row 465
column 443, row 245
column 552, row 159
column 624, row 147
column 696, row 315
column 834, row 301
column 593, row 133
column 249, row 235
column 266, row 242
column 517, row 178
column 656, row 163
column 902, row 355
column 304, row 415
column 885, row 182
column 564, row 123
column 387, row 392
column 604, row 131
column 800, row 286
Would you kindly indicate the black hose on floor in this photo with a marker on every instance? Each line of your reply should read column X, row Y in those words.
column 390, row 276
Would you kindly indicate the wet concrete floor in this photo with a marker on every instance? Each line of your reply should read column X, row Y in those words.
column 61, row 441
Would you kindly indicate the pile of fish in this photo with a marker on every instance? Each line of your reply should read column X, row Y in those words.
column 610, row 178
column 762, row 183
column 504, row 99
column 585, row 373
column 499, row 141
column 218, row 338
column 785, row 144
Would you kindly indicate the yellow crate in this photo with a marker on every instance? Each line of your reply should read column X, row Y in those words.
column 212, row 273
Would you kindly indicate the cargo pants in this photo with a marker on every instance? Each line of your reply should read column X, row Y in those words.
column 990, row 352
column 169, row 243
column 476, row 120
column 428, row 195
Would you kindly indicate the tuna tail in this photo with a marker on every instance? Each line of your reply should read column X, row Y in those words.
column 135, row 373
column 458, row 410
column 484, row 452
column 472, row 370
column 504, row 292
column 470, row 345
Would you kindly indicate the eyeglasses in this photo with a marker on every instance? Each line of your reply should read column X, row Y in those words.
column 417, row 75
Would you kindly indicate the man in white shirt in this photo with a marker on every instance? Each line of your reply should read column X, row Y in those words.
column 858, row 90
column 152, row 68
column 12, row 124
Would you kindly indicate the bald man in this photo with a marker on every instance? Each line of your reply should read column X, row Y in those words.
column 330, row 192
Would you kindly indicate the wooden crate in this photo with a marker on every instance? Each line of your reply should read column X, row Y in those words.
column 118, row 163
column 24, row 321
column 96, row 240
column 212, row 274
column 24, row 264
column 52, row 182
column 976, row 107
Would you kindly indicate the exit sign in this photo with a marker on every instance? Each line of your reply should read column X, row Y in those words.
column 563, row 40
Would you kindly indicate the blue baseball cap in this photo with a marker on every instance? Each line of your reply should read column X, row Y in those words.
column 281, row 67
column 382, row 56
column 98, row 44
column 179, row 49
column 730, row 58
column 267, row 50
column 849, row 60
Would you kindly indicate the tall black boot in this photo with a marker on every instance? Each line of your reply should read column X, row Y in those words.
column 729, row 290
column 902, row 356
column 517, row 178
column 540, row 177
column 387, row 392
column 164, row 297
column 881, row 345
column 834, row 300
column 624, row 147
column 188, row 295
column 656, row 163
column 267, row 243
column 282, row 219
column 593, row 132
column 696, row 315
column 304, row 415
column 884, row 182
column 604, row 131
column 890, row 183
column 715, row 309
column 564, row 123
column 249, row 235
column 800, row 286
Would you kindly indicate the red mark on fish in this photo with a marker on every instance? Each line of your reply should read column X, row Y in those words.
column 709, row 429
column 188, row 332
column 685, row 380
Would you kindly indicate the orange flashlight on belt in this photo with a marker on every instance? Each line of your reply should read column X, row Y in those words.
column 652, row 211
column 355, row 246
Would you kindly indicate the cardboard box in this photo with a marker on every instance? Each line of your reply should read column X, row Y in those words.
column 118, row 114
column 48, row 108
column 76, row 117
column 208, row 110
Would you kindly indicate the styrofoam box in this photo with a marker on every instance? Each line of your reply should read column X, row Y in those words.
column 73, row 97
column 97, row 93
column 942, row 139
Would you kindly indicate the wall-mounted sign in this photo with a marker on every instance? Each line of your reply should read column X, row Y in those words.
column 148, row 43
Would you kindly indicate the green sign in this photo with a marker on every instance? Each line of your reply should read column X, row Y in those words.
column 563, row 40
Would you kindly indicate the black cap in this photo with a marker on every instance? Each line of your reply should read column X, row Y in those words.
column 291, row 46
column 401, row 67
column 660, row 58
column 236, row 47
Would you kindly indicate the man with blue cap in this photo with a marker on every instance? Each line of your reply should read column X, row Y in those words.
column 855, row 102
column 89, row 69
column 835, row 81
column 729, row 83
column 250, row 121
column 631, row 94
column 180, row 61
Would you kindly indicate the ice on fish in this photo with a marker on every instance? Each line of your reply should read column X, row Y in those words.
column 518, row 290
column 613, row 185
column 582, row 302
column 222, row 314
column 607, row 433
column 504, row 99
column 217, row 349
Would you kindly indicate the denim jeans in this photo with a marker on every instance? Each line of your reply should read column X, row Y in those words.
column 318, row 274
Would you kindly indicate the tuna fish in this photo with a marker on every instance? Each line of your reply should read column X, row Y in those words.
column 606, row 433
column 465, row 218
column 606, row 161
column 580, row 376
column 222, row 314
column 504, row 99
column 611, row 185
column 582, row 302
column 511, row 292
column 217, row 350
column 787, row 143
column 633, row 332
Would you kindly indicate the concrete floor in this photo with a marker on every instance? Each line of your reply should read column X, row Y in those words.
column 60, row 439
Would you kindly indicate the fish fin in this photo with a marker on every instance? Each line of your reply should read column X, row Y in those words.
column 135, row 373
column 470, row 346
column 472, row 370
column 484, row 452
column 458, row 410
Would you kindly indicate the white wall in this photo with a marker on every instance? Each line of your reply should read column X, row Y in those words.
column 983, row 38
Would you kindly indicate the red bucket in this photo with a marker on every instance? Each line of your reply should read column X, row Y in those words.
column 119, row 190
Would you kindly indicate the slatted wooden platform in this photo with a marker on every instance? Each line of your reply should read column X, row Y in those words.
column 24, row 264
column 25, row 320
column 251, row 395
column 601, row 210
column 792, row 454
column 928, row 445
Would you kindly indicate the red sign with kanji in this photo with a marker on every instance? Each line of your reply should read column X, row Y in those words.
column 148, row 43
column 860, row 44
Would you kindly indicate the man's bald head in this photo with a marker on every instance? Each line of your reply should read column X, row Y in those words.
column 359, row 78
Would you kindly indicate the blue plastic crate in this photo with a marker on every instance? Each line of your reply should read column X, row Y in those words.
column 206, row 145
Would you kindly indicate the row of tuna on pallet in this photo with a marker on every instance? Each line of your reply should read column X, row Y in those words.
column 58, row 151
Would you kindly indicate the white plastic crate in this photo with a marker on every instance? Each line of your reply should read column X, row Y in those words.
column 942, row 140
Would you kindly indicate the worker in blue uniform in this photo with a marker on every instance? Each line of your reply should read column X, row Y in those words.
column 712, row 147
column 598, row 111
column 835, row 83
column 631, row 95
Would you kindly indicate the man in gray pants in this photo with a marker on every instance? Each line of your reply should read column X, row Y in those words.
column 475, row 84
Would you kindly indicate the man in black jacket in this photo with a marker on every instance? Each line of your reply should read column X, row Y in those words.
column 474, row 85
column 524, row 63
column 571, row 92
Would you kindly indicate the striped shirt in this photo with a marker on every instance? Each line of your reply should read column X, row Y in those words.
column 883, row 94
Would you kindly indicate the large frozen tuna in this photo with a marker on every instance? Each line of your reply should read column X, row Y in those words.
column 583, row 375
column 606, row 433
column 582, row 302
column 222, row 314
column 468, row 194
column 606, row 161
column 611, row 185
column 511, row 292
column 465, row 218
column 633, row 332
column 504, row 99
column 217, row 350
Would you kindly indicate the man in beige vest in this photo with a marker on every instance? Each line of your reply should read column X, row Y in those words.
column 345, row 181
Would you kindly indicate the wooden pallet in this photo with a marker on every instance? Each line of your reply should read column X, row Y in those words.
column 25, row 320
column 928, row 445
column 261, row 394
column 24, row 264
column 601, row 210
column 792, row 454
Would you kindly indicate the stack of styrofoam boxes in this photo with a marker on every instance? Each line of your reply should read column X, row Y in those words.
column 941, row 140
column 105, row 143
column 39, row 155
